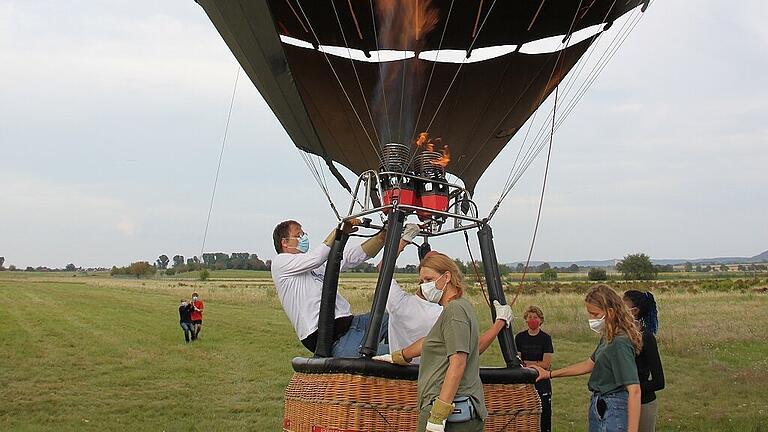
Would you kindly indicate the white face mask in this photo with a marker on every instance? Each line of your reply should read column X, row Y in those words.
column 430, row 291
column 597, row 324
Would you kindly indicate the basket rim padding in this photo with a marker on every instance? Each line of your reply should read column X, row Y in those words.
column 373, row 368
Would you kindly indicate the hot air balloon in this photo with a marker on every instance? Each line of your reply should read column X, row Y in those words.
column 403, row 94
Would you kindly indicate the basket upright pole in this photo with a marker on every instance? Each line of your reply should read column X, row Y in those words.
column 395, row 223
column 496, row 292
column 326, row 320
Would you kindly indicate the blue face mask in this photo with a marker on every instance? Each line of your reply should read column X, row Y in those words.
column 303, row 245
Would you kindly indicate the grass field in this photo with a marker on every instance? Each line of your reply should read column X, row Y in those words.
column 95, row 353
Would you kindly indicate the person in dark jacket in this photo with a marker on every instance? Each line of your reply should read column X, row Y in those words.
column 642, row 305
column 185, row 319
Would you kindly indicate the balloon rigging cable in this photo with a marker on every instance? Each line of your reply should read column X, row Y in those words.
column 221, row 156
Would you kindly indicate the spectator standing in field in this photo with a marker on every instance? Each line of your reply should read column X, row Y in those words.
column 534, row 346
column 197, row 315
column 613, row 381
column 642, row 305
column 185, row 319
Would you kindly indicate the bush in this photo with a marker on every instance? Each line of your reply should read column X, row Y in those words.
column 549, row 275
column 597, row 274
column 204, row 274
column 170, row 271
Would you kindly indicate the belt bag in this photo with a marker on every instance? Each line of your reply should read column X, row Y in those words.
column 463, row 410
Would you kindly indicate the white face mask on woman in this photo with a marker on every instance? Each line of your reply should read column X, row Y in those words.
column 430, row 292
column 597, row 324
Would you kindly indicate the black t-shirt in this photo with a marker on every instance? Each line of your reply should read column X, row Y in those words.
column 185, row 313
column 533, row 348
column 649, row 368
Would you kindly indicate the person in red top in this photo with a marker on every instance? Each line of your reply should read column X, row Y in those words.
column 197, row 315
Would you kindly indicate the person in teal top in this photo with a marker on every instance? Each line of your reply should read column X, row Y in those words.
column 449, row 372
column 613, row 380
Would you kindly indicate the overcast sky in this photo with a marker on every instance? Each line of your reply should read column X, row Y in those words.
column 112, row 115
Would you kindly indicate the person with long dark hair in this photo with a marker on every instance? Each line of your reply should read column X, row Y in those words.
column 642, row 306
column 613, row 381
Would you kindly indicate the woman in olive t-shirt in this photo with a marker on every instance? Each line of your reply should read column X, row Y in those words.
column 615, row 402
column 450, row 364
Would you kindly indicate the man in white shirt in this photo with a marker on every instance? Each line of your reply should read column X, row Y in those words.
column 298, row 271
column 411, row 316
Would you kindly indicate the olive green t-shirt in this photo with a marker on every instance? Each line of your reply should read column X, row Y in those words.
column 454, row 331
column 614, row 365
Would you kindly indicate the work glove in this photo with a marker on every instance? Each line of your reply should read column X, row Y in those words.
column 373, row 245
column 348, row 227
column 395, row 358
column 503, row 312
column 410, row 231
column 440, row 412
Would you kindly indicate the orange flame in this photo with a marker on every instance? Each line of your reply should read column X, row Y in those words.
column 429, row 145
column 409, row 22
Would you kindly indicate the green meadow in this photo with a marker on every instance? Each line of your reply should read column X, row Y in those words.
column 89, row 352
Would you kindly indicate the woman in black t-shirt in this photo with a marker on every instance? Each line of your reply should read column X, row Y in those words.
column 534, row 347
column 642, row 305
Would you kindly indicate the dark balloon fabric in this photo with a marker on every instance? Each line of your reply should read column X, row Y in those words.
column 343, row 110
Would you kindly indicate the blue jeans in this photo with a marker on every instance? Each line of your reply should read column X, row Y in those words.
column 189, row 329
column 348, row 345
column 614, row 419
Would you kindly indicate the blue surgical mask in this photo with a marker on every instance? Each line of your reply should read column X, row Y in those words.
column 303, row 245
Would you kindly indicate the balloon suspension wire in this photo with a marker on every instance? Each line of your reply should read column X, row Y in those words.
column 381, row 72
column 539, row 142
column 221, row 157
column 453, row 80
column 343, row 89
column 474, row 267
column 319, row 176
column 542, row 96
column 354, row 69
column 541, row 202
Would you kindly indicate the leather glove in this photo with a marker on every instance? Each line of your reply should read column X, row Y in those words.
column 348, row 227
column 503, row 312
column 395, row 358
column 373, row 245
column 440, row 412
column 410, row 231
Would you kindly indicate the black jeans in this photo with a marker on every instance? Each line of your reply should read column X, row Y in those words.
column 546, row 411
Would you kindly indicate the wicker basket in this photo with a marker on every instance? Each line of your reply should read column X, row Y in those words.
column 338, row 402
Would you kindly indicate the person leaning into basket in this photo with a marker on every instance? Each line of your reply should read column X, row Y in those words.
column 297, row 272
column 534, row 346
column 642, row 305
column 615, row 402
column 411, row 316
column 450, row 393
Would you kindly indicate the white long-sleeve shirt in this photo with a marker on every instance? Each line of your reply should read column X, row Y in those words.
column 298, row 279
column 410, row 317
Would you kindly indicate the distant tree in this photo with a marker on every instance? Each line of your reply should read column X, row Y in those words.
column 11, row 267
column 708, row 268
column 463, row 268
column 762, row 267
column 29, row 269
column 70, row 267
column 2, row 260
column 573, row 268
column 597, row 274
column 504, row 269
column 688, row 267
column 699, row 269
column 170, row 272
column 637, row 267
column 741, row 267
column 664, row 268
column 549, row 275
column 723, row 268
column 519, row 267
column 162, row 261
column 204, row 274
column 542, row 267
column 410, row 268
column 178, row 260
column 141, row 268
